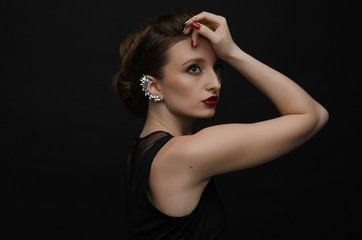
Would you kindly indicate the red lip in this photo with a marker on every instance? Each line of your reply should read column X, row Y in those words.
column 211, row 101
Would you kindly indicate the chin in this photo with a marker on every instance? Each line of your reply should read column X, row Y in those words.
column 208, row 114
column 200, row 114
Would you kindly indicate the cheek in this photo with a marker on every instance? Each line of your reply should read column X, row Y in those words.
column 177, row 89
column 181, row 94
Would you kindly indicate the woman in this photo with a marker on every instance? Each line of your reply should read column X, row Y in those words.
column 171, row 75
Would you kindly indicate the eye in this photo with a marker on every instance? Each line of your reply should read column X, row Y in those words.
column 218, row 67
column 193, row 69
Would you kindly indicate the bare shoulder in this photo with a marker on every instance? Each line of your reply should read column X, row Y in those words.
column 174, row 189
column 175, row 153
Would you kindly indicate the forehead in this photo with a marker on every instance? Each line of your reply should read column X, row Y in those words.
column 183, row 51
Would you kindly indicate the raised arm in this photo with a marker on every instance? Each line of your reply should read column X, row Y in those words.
column 230, row 147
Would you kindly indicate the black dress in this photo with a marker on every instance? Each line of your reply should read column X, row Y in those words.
column 145, row 221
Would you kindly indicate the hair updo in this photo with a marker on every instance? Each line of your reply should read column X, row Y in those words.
column 145, row 52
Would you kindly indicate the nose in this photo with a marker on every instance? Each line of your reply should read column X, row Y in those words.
column 214, row 82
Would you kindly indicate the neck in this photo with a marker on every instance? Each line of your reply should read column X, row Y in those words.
column 168, row 122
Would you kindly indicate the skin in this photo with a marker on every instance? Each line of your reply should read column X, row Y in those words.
column 183, row 167
column 191, row 76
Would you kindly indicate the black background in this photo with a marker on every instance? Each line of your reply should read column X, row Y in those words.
column 65, row 133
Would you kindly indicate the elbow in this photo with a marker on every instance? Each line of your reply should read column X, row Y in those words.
column 322, row 117
column 317, row 119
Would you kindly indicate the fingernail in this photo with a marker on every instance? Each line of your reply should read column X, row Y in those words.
column 196, row 25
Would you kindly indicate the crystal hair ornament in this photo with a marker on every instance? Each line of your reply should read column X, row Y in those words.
column 144, row 83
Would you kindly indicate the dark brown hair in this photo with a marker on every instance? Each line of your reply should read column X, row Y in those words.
column 145, row 52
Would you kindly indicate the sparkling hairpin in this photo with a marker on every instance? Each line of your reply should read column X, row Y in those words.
column 144, row 83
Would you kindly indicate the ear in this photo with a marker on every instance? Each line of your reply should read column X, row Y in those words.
column 153, row 86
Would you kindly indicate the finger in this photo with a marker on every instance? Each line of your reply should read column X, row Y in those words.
column 194, row 38
column 204, row 31
column 205, row 17
column 190, row 19
column 187, row 30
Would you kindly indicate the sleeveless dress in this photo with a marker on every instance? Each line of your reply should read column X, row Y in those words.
column 145, row 221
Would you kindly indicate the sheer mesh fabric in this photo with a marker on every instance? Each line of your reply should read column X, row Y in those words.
column 142, row 146
column 146, row 142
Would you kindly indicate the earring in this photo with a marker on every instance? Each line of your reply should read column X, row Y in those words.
column 144, row 83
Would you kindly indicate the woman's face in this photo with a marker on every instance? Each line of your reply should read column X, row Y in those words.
column 191, row 77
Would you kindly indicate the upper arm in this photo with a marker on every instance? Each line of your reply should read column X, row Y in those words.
column 231, row 147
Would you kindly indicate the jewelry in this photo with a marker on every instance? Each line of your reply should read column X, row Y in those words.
column 192, row 18
column 144, row 83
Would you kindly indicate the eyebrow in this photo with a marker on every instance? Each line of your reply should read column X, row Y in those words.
column 193, row 60
column 198, row 60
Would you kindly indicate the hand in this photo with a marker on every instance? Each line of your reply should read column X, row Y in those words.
column 214, row 28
